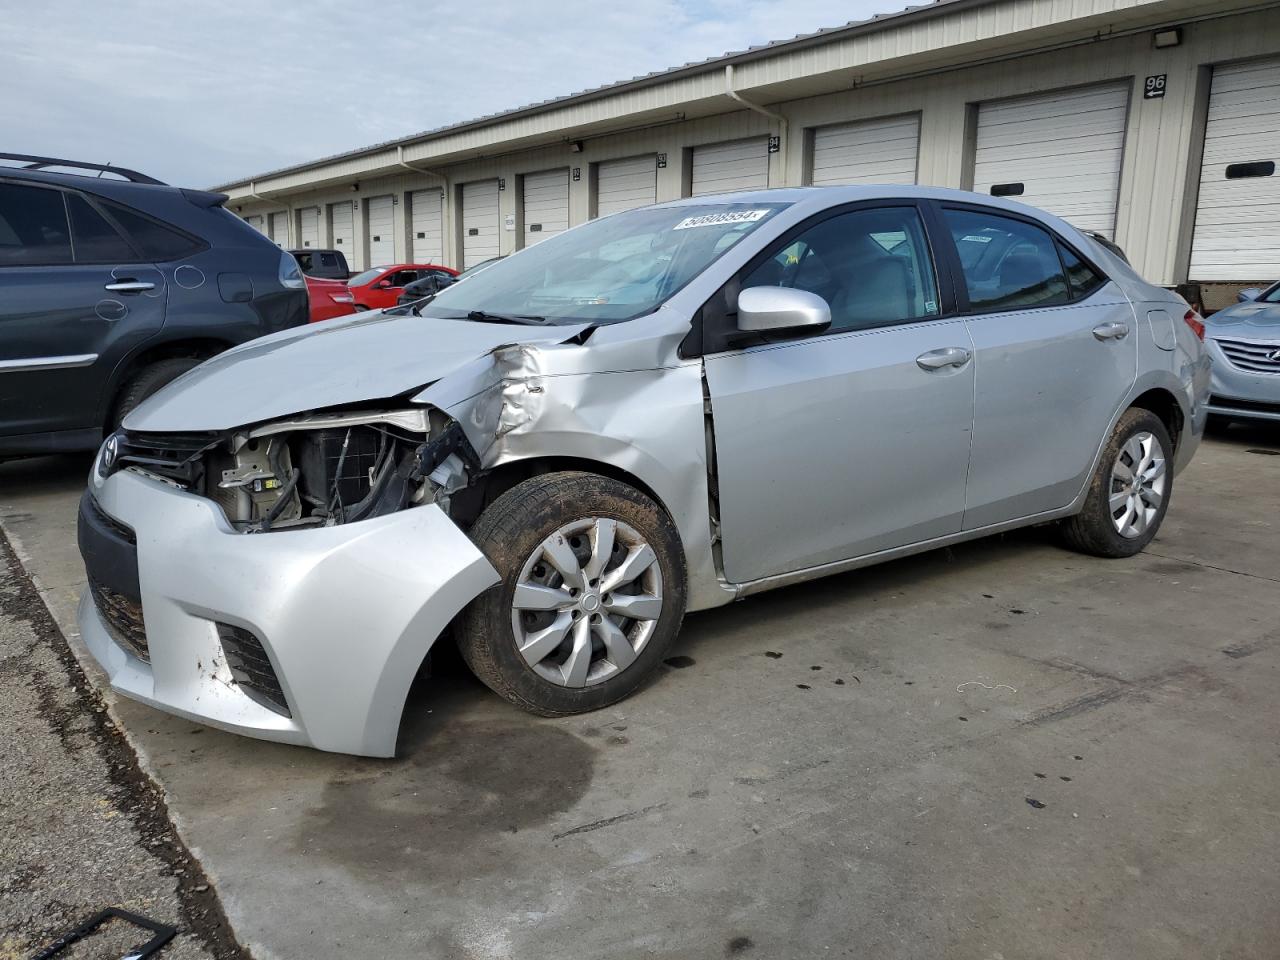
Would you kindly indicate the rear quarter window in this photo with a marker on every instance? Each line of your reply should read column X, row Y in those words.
column 157, row 241
column 1083, row 279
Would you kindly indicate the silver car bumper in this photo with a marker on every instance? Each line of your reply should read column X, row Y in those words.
column 1237, row 392
column 344, row 615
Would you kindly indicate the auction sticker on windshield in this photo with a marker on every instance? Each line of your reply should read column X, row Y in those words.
column 717, row 219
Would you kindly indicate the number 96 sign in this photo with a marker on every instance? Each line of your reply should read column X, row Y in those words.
column 1153, row 89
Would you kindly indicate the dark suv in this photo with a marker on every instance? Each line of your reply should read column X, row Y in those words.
column 112, row 286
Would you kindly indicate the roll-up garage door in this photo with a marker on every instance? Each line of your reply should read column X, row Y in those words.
column 279, row 228
column 870, row 151
column 546, row 205
column 382, row 227
column 309, row 226
column 479, row 222
column 725, row 167
column 1237, row 232
column 257, row 223
column 1057, row 151
column 428, row 226
column 626, row 184
column 342, row 221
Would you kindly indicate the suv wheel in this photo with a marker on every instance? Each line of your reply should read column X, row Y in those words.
column 1129, row 492
column 148, row 381
column 591, row 597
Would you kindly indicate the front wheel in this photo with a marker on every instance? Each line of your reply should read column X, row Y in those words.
column 591, row 597
column 1129, row 493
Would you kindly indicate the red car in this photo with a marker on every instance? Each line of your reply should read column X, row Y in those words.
column 329, row 298
column 378, row 288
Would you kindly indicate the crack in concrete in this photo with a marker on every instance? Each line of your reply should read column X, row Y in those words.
column 1211, row 566
column 610, row 821
column 1124, row 689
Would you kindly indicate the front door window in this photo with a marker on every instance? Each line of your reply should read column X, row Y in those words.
column 871, row 266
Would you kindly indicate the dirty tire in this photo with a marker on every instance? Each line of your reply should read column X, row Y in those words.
column 509, row 532
column 147, row 382
column 1092, row 530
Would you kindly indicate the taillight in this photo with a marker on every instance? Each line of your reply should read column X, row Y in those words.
column 1192, row 320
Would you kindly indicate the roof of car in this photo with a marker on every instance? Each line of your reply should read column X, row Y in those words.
column 818, row 198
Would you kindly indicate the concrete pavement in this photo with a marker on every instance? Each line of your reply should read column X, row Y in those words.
column 999, row 750
column 81, row 828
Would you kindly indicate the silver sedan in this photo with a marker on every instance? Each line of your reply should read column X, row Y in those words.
column 659, row 411
column 1244, row 342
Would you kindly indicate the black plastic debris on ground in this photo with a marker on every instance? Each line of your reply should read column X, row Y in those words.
column 161, row 934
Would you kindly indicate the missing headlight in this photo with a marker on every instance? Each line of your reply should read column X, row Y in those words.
column 326, row 470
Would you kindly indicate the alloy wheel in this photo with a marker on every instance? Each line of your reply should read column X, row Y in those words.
column 1137, row 485
column 586, row 602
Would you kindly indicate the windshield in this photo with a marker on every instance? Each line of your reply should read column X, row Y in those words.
column 613, row 269
column 472, row 271
column 1271, row 295
column 360, row 279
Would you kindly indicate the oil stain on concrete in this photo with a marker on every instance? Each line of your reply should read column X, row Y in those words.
column 451, row 802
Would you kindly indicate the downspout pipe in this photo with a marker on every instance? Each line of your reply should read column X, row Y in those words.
column 448, row 203
column 444, row 180
column 253, row 192
column 778, row 118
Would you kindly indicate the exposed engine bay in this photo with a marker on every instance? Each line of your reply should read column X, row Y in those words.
column 316, row 470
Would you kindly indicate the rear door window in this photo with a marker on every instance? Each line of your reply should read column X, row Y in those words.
column 33, row 226
column 1007, row 264
column 95, row 240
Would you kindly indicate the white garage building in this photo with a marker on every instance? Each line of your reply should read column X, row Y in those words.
column 1154, row 122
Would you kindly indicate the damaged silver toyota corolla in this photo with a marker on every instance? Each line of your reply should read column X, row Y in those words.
column 658, row 411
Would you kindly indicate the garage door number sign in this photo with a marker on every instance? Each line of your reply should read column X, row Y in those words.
column 1153, row 88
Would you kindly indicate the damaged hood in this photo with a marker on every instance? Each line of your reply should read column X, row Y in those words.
column 369, row 357
column 1247, row 320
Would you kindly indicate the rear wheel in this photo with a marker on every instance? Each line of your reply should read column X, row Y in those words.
column 148, row 381
column 591, row 597
column 1129, row 492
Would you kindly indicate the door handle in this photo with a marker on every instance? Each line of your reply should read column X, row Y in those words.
column 1111, row 331
column 946, row 357
column 129, row 286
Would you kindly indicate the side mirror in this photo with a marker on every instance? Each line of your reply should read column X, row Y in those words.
column 384, row 284
column 1249, row 293
column 775, row 309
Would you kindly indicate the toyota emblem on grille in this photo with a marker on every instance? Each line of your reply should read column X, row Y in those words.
column 1274, row 356
column 110, row 450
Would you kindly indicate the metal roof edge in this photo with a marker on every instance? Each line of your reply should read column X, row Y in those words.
column 773, row 48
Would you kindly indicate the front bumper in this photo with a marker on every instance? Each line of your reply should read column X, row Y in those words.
column 344, row 614
column 1236, row 392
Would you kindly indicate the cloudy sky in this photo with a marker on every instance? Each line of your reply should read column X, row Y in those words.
column 199, row 94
